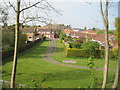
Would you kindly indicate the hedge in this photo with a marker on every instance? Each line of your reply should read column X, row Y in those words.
column 81, row 53
column 10, row 53
column 113, row 53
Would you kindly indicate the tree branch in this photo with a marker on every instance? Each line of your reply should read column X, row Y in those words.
column 31, row 6
column 29, row 19
column 12, row 6
column 101, row 9
column 53, row 8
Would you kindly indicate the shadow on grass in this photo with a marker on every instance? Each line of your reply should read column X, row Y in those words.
column 9, row 74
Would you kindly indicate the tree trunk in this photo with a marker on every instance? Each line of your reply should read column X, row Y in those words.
column 117, row 74
column 106, row 24
column 12, row 85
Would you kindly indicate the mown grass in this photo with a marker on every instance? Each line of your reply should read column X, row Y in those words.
column 34, row 71
column 60, row 55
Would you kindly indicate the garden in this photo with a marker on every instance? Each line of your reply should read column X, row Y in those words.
column 33, row 71
column 61, row 54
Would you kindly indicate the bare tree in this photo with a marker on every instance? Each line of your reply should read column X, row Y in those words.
column 106, row 24
column 19, row 10
column 16, row 45
column 3, row 16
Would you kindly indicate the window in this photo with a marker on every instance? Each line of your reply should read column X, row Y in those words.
column 30, row 37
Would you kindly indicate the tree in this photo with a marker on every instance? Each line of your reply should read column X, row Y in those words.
column 3, row 16
column 13, row 76
column 26, row 19
column 76, row 45
column 106, row 24
column 62, row 36
column 8, row 38
column 117, row 23
column 85, row 28
column 94, row 29
column 117, row 75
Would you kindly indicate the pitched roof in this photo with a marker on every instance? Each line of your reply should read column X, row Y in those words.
column 28, row 29
column 101, row 37
column 89, row 31
column 68, row 31
column 44, row 27
column 44, row 30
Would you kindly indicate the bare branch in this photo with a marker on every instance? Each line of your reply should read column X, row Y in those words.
column 36, row 18
column 12, row 6
column 101, row 9
column 31, row 6
column 52, row 7
column 5, row 3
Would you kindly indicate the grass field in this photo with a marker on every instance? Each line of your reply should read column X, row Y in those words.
column 34, row 71
column 60, row 55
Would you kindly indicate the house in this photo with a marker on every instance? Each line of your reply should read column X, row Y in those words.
column 89, row 32
column 49, row 33
column 32, row 34
column 113, row 43
column 101, row 39
column 78, row 30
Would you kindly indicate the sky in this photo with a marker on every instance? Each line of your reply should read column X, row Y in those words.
column 83, row 14
column 79, row 13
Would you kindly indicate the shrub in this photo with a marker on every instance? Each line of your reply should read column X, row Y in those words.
column 10, row 52
column 80, row 53
column 76, row 45
column 62, row 36
column 90, row 47
column 8, row 38
column 114, row 53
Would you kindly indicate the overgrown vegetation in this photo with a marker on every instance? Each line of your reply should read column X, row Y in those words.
column 8, row 38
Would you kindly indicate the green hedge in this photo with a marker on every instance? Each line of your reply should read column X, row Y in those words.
column 113, row 53
column 10, row 53
column 81, row 53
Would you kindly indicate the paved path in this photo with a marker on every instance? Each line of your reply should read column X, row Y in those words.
column 50, row 52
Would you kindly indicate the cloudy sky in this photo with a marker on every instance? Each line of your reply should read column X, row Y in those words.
column 83, row 14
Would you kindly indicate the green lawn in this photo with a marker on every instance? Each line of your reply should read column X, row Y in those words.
column 60, row 55
column 34, row 71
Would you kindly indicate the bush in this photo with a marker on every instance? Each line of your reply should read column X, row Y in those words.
column 62, row 36
column 80, row 53
column 8, row 38
column 10, row 52
column 76, row 45
column 115, row 53
column 91, row 47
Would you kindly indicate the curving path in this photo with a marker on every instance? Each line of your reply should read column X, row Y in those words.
column 50, row 52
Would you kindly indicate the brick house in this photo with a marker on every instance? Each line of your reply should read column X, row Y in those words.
column 49, row 33
column 89, row 32
column 101, row 39
column 32, row 34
